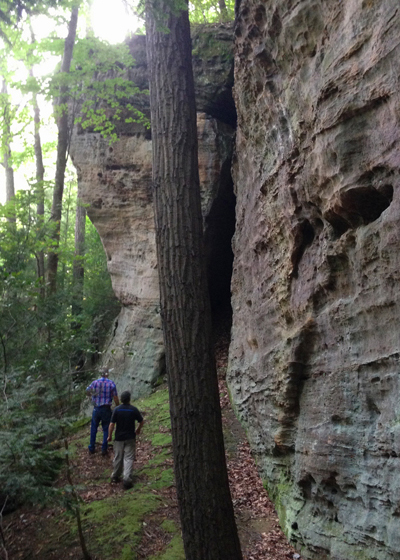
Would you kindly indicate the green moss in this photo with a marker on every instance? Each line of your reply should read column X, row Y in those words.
column 174, row 550
column 155, row 409
column 165, row 479
column 159, row 381
column 156, row 400
column 80, row 423
column 127, row 553
column 169, row 526
column 206, row 46
column 159, row 477
column 163, row 455
column 162, row 439
column 115, row 524
column 78, row 442
column 279, row 494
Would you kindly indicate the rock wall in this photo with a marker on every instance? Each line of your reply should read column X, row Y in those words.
column 115, row 182
column 314, row 367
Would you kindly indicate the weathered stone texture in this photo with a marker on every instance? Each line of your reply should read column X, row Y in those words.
column 314, row 361
column 115, row 181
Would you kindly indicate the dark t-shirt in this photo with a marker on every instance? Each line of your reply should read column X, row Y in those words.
column 124, row 417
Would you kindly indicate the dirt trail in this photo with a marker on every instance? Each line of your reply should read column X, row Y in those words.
column 48, row 534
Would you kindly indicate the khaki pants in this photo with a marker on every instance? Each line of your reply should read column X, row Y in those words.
column 124, row 455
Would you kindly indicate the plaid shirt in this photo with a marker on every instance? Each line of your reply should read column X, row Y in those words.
column 103, row 390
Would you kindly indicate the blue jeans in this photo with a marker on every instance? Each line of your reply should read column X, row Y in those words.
column 100, row 414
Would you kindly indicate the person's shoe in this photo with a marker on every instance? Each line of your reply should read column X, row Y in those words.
column 91, row 451
column 127, row 484
column 104, row 453
column 115, row 480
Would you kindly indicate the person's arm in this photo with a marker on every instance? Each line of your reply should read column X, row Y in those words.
column 89, row 390
column 115, row 394
column 138, row 429
column 110, row 431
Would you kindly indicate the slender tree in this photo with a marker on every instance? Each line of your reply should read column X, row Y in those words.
column 39, row 175
column 62, row 148
column 6, row 144
column 78, row 271
column 39, row 186
column 208, row 523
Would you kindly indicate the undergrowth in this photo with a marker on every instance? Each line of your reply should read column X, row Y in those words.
column 116, row 522
column 115, row 525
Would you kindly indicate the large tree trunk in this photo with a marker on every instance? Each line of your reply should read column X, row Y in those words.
column 62, row 150
column 208, row 523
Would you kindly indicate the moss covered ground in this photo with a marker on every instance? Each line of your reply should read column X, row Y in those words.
column 117, row 524
column 141, row 523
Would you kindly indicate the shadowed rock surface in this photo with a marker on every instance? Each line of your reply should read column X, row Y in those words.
column 314, row 359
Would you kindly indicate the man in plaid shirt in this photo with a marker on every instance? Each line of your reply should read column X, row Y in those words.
column 103, row 391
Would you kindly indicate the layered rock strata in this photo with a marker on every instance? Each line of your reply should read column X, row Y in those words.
column 314, row 361
column 115, row 182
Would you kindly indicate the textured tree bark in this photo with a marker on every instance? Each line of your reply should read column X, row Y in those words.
column 208, row 524
column 62, row 150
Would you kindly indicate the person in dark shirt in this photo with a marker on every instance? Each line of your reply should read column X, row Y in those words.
column 123, row 418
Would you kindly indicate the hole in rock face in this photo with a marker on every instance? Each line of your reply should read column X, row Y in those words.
column 359, row 206
column 365, row 203
column 220, row 227
column 303, row 237
column 306, row 485
column 386, row 191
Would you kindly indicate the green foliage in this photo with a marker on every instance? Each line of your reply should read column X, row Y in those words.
column 30, row 413
column 13, row 12
column 40, row 347
column 107, row 90
column 100, row 91
column 211, row 11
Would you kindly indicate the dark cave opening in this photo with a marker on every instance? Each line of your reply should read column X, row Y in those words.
column 219, row 229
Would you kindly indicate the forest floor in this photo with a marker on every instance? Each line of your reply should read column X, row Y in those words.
column 143, row 523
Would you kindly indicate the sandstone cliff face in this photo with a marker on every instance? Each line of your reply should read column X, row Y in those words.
column 314, row 361
column 115, row 181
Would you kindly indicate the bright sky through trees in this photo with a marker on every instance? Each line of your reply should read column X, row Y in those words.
column 111, row 22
